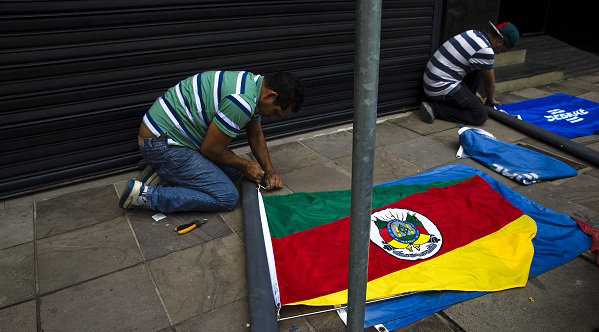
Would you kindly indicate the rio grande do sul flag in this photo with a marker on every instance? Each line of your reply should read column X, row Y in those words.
column 453, row 235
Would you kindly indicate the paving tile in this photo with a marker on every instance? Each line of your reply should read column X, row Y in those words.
column 586, row 140
column 121, row 301
column 565, row 299
column 541, row 145
column 319, row 177
column 76, row 210
column 321, row 322
column 232, row 317
column 388, row 133
column 201, row 278
column 387, row 166
column 473, row 163
column 290, row 156
column 17, row 274
column 501, row 132
column 332, row 146
column 328, row 321
column 532, row 93
column 157, row 238
column 448, row 137
column 581, row 83
column 274, row 142
column 413, row 122
column 168, row 329
column 17, row 225
column 235, row 218
column 76, row 256
column 315, row 133
column 594, row 173
column 593, row 78
column 540, row 193
column 71, row 188
column 582, row 190
column 288, row 325
column 594, row 146
column 509, row 98
column 19, row 318
column 566, row 87
column 592, row 96
column 432, row 323
column 423, row 152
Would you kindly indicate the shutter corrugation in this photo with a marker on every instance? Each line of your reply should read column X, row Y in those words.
column 77, row 76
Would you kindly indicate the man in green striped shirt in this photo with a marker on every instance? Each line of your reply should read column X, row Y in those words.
column 185, row 133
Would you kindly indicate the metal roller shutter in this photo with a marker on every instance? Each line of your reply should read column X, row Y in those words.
column 78, row 75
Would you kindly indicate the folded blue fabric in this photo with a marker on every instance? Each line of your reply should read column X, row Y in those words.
column 512, row 161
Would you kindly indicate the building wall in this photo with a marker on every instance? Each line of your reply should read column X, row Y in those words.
column 462, row 15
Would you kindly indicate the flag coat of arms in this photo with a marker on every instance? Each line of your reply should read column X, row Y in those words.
column 451, row 235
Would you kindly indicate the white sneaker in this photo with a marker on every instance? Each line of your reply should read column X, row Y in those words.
column 148, row 177
column 130, row 195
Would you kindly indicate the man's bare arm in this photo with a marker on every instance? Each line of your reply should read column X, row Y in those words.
column 489, row 81
column 260, row 151
column 214, row 147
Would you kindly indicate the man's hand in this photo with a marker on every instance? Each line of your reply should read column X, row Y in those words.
column 489, row 80
column 260, row 151
column 479, row 97
column 272, row 180
column 253, row 172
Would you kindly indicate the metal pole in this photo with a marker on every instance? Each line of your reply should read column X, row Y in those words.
column 366, row 77
column 263, row 315
column 575, row 149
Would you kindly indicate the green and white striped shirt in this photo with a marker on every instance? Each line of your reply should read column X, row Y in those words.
column 185, row 111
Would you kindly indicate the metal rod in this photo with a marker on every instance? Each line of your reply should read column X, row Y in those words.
column 576, row 149
column 263, row 316
column 343, row 307
column 366, row 77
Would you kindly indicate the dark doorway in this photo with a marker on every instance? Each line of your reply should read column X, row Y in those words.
column 530, row 16
column 569, row 21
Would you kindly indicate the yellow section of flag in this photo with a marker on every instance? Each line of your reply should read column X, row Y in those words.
column 498, row 261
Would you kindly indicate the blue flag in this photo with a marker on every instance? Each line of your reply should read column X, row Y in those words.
column 512, row 161
column 561, row 114
column 559, row 239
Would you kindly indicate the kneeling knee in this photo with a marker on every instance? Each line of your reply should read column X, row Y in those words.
column 229, row 202
column 480, row 119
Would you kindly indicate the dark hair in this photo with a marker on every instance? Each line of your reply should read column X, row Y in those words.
column 289, row 88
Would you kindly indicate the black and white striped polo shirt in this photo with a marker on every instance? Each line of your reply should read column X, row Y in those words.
column 461, row 54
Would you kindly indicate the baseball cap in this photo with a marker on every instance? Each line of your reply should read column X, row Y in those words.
column 508, row 32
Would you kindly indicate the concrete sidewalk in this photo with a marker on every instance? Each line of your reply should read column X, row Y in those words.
column 71, row 260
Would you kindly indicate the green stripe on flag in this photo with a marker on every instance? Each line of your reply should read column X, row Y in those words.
column 299, row 212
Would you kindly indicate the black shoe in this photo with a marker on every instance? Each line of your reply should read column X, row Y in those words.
column 426, row 112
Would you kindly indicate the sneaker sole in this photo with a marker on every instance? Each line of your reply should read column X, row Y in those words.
column 426, row 114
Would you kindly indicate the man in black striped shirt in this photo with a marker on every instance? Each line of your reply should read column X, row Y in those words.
column 453, row 75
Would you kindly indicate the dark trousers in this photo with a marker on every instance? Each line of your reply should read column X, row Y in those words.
column 463, row 106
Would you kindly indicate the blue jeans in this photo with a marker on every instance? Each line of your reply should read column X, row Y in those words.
column 195, row 183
